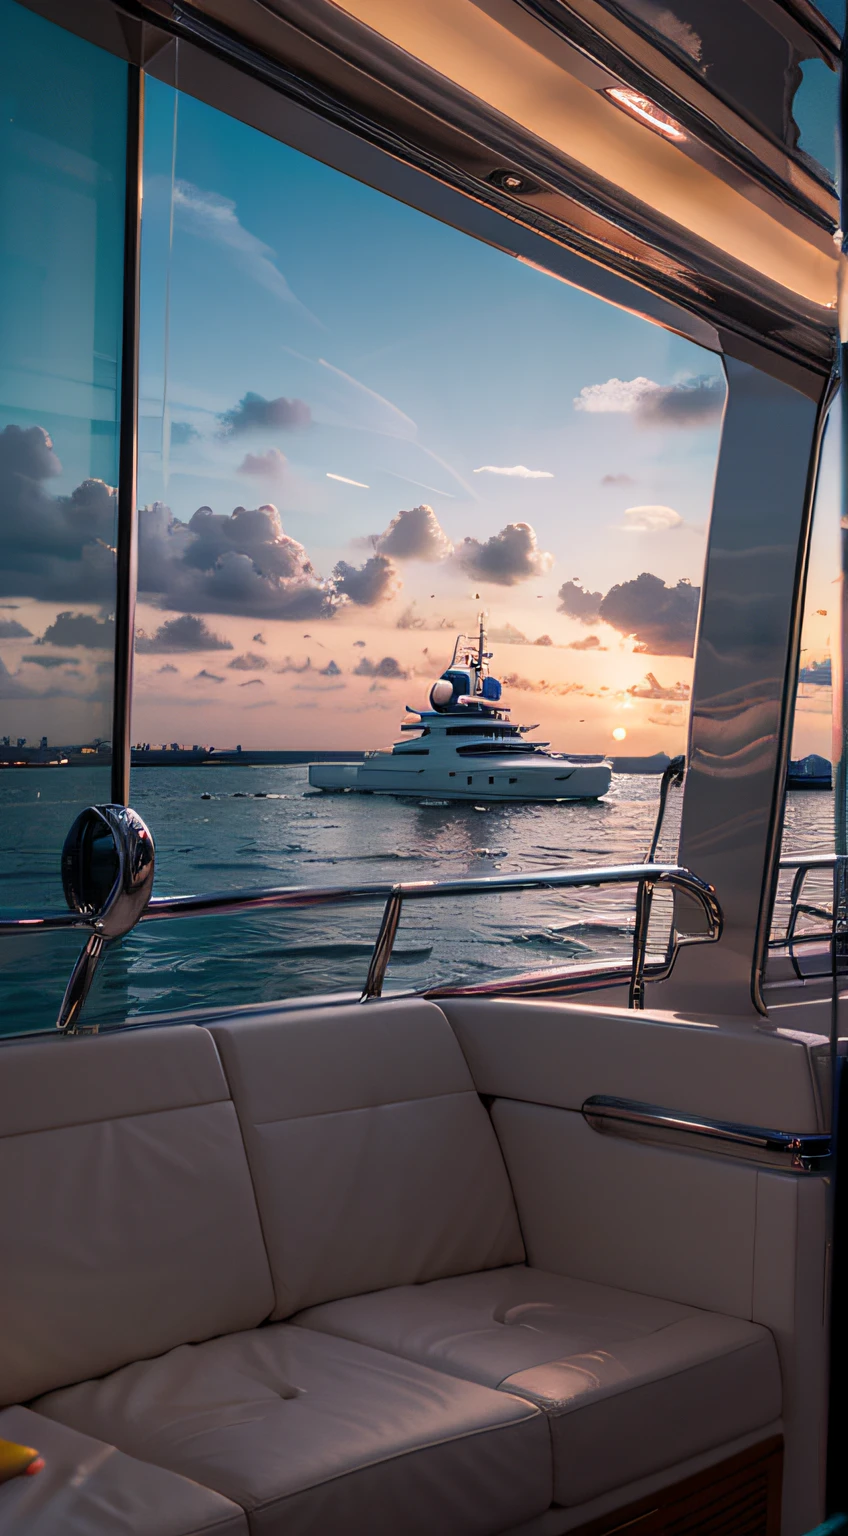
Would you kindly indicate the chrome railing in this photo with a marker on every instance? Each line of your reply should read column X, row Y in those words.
column 646, row 877
column 804, row 864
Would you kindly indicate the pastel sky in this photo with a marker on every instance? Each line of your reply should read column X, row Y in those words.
column 359, row 428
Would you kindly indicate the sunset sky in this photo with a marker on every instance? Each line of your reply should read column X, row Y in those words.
column 358, row 429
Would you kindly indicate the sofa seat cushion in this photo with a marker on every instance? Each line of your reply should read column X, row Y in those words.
column 88, row 1488
column 631, row 1384
column 310, row 1433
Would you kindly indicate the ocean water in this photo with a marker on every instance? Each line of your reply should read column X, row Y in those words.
column 230, row 828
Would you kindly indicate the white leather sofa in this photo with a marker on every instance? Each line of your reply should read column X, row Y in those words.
column 269, row 1277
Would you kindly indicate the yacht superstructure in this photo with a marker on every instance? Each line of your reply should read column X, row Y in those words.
column 465, row 747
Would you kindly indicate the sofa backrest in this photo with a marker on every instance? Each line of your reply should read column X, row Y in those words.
column 373, row 1159
column 128, row 1222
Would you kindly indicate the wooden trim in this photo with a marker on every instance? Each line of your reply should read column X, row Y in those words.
column 738, row 1497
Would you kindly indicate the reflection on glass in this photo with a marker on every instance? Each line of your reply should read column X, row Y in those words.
column 62, row 136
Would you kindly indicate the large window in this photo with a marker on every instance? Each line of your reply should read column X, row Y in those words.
column 359, row 428
column 62, row 137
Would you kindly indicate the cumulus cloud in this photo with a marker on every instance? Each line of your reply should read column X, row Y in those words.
column 80, row 629
column 249, row 662
column 579, row 603
column 51, row 545
column 543, row 640
column 389, row 666
column 506, row 558
column 207, row 677
column 256, row 414
column 183, row 432
column 186, row 633
column 243, row 563
column 529, row 685
column 651, row 520
column 331, row 670
column 12, row 688
column 617, row 480
column 264, row 466
column 10, row 629
column 660, row 618
column 415, row 534
column 367, row 584
column 519, row 471
column 690, row 402
column 588, row 643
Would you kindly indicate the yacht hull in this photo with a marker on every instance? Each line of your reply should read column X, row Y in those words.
column 498, row 780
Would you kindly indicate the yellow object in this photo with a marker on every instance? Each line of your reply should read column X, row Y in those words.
column 16, row 1459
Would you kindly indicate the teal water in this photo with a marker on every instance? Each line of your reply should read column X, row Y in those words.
column 262, row 826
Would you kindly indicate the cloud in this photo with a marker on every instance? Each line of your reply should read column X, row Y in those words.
column 214, row 217
column 254, row 414
column 343, row 479
column 661, row 619
column 80, row 629
column 185, row 633
column 617, row 480
column 183, row 432
column 578, row 603
column 691, row 402
column 507, row 634
column 506, row 558
column 265, row 466
column 52, row 545
column 243, row 563
column 11, row 688
column 10, row 629
column 529, row 685
column 588, row 643
column 207, row 677
column 409, row 619
column 651, row 520
column 254, row 682
column 249, row 662
column 519, row 471
column 415, row 534
column 387, row 667
column 367, row 584
column 259, row 639
column 331, row 670
column 543, row 640
column 168, row 668
column 295, row 666
column 53, row 661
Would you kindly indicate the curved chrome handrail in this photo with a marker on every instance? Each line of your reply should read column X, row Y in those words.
column 277, row 898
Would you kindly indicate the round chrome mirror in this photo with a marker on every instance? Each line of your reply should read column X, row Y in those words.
column 107, row 875
column 107, row 868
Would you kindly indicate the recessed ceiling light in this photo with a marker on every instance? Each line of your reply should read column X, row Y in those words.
column 642, row 108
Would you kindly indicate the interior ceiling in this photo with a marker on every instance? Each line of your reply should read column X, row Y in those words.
column 547, row 97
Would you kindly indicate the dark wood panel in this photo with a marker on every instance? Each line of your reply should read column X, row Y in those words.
column 737, row 1497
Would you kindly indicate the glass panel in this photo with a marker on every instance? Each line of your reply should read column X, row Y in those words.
column 361, row 428
column 808, row 826
column 62, row 138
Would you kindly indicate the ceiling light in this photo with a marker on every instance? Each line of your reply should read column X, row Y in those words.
column 642, row 108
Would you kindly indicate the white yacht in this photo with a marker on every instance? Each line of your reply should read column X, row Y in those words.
column 465, row 747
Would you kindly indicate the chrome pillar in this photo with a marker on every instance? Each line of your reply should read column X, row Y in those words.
column 745, row 677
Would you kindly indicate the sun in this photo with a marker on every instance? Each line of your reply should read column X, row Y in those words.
column 619, row 733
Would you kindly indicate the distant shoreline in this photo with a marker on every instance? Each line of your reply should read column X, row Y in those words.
column 73, row 757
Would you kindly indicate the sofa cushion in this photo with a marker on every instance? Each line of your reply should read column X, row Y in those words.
column 127, row 1213
column 631, row 1384
column 88, row 1488
column 374, row 1162
column 316, row 1434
